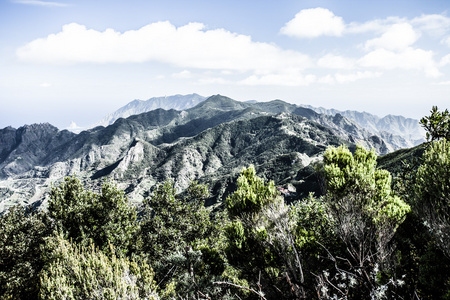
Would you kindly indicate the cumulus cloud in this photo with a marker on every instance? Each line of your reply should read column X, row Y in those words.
column 189, row 46
column 314, row 22
column 377, row 25
column 397, row 37
column 409, row 59
column 434, row 24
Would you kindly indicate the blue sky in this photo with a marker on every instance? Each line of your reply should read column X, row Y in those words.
column 77, row 60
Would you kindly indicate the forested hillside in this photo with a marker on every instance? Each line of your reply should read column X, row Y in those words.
column 209, row 143
column 372, row 235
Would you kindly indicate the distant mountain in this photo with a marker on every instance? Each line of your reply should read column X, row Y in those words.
column 210, row 142
column 392, row 128
column 178, row 102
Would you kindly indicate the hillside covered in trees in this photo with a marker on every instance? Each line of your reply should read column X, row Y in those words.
column 209, row 143
column 374, row 234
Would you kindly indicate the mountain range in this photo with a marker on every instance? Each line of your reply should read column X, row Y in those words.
column 398, row 130
column 135, row 107
column 209, row 142
column 388, row 126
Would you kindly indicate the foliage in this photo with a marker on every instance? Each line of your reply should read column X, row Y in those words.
column 437, row 125
column 178, row 236
column 22, row 233
column 252, row 195
column 259, row 236
column 170, row 223
column 365, row 214
column 106, row 218
column 84, row 272
column 431, row 192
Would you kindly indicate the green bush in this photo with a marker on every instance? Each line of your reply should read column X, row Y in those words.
column 84, row 272
column 106, row 218
column 22, row 234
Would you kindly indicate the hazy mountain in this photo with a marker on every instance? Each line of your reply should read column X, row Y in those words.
column 405, row 132
column 210, row 142
column 178, row 102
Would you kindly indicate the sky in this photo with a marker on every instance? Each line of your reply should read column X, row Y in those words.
column 67, row 61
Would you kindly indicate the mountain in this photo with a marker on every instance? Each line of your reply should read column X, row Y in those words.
column 21, row 149
column 178, row 102
column 210, row 142
column 405, row 132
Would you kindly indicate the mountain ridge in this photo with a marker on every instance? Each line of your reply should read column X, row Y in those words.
column 210, row 143
column 390, row 125
column 178, row 102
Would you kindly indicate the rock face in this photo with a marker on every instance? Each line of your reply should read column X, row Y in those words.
column 21, row 149
column 210, row 142
column 397, row 130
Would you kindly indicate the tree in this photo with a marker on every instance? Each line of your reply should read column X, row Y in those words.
column 106, row 218
column 366, row 215
column 84, row 272
column 178, row 236
column 431, row 192
column 22, row 234
column 437, row 125
column 171, row 223
column 260, row 243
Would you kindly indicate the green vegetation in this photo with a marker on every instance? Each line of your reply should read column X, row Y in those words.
column 106, row 218
column 372, row 235
column 437, row 125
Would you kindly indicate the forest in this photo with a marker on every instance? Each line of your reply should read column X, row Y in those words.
column 371, row 235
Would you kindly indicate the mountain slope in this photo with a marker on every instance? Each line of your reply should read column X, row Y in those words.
column 210, row 143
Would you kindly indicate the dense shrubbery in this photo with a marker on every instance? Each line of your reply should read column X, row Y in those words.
column 362, row 240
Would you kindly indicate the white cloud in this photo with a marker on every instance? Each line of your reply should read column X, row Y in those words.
column 314, row 22
column 41, row 3
column 182, row 75
column 397, row 37
column 378, row 25
column 434, row 24
column 189, row 46
column 345, row 78
column 328, row 79
column 331, row 61
column 445, row 60
column 408, row 59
